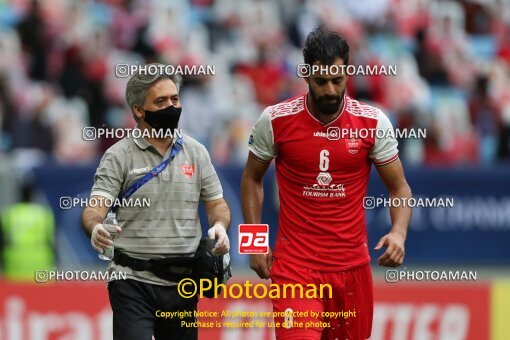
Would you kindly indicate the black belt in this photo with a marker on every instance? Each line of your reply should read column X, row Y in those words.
column 162, row 268
column 203, row 265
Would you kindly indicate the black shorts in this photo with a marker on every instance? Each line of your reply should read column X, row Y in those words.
column 134, row 306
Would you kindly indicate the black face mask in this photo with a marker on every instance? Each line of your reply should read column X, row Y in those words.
column 164, row 119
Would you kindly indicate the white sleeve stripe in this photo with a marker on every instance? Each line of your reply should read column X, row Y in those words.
column 212, row 198
column 259, row 157
column 389, row 160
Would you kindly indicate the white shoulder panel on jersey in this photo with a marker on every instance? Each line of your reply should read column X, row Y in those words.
column 261, row 142
column 385, row 150
column 356, row 108
column 287, row 108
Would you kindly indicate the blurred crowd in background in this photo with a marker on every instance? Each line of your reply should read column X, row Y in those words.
column 58, row 57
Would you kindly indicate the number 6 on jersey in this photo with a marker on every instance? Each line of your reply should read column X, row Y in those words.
column 324, row 160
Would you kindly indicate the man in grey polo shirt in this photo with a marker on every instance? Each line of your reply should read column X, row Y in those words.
column 170, row 227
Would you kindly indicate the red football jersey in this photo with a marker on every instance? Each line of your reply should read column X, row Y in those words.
column 322, row 175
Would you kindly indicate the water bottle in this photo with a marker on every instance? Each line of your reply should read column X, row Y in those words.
column 110, row 224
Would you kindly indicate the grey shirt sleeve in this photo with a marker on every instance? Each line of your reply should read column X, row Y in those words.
column 210, row 183
column 109, row 175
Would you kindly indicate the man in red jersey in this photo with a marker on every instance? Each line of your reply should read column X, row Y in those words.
column 322, row 177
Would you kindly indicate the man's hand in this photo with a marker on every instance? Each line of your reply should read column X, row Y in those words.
column 261, row 264
column 219, row 233
column 394, row 254
column 100, row 238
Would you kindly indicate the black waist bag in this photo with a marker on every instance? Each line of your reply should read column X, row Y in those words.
column 210, row 267
column 204, row 265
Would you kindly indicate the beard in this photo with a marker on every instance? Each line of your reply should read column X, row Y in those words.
column 328, row 105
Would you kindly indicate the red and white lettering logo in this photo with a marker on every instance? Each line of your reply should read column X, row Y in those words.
column 188, row 170
column 253, row 238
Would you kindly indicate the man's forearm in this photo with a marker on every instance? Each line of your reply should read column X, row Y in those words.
column 94, row 215
column 252, row 196
column 218, row 213
column 401, row 215
column 89, row 220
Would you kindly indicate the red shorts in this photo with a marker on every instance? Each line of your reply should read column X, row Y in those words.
column 347, row 314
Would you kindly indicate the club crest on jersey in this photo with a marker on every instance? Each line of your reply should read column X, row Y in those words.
column 188, row 170
column 353, row 145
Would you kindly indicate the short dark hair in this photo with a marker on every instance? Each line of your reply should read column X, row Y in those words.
column 139, row 84
column 325, row 46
